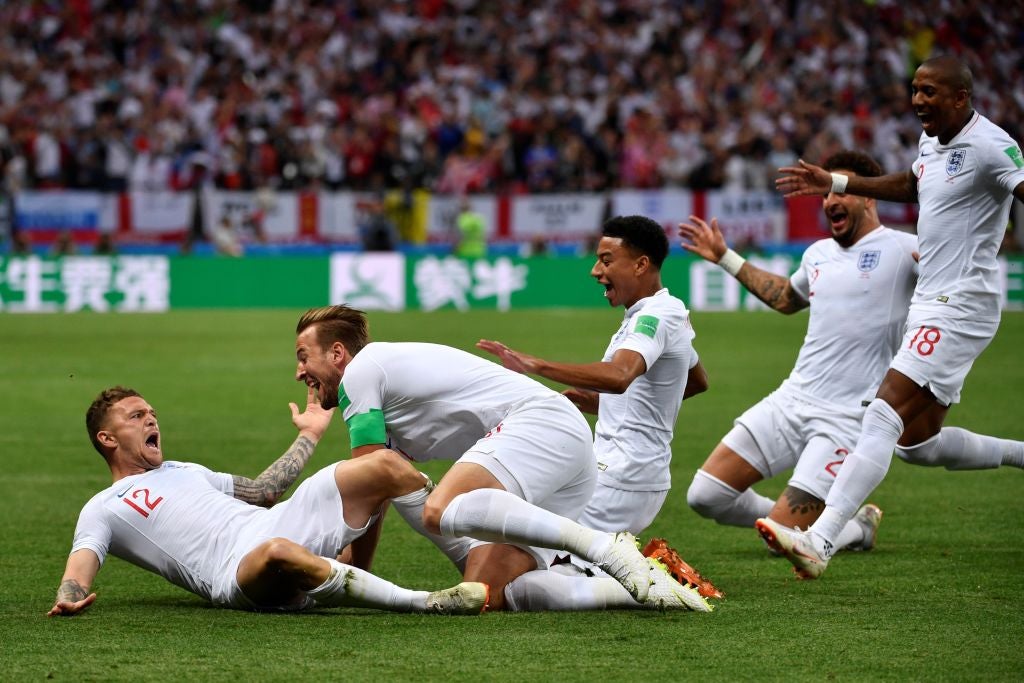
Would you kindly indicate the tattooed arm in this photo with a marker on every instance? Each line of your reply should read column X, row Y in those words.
column 73, row 595
column 706, row 241
column 775, row 290
column 267, row 489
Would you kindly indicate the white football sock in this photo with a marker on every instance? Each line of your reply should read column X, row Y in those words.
column 711, row 497
column 852, row 534
column 410, row 507
column 546, row 590
column 498, row 516
column 862, row 471
column 349, row 586
column 958, row 449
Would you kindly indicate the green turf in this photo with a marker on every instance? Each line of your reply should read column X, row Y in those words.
column 940, row 599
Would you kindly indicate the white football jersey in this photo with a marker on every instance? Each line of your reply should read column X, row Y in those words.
column 179, row 521
column 965, row 191
column 428, row 401
column 859, row 297
column 633, row 435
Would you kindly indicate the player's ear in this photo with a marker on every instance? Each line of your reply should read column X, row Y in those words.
column 338, row 352
column 643, row 264
column 106, row 439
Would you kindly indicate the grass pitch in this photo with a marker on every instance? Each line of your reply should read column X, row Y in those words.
column 941, row 598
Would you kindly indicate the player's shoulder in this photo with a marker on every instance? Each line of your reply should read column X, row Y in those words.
column 820, row 248
column 662, row 304
column 901, row 237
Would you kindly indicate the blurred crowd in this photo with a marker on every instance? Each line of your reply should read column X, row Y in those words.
column 475, row 95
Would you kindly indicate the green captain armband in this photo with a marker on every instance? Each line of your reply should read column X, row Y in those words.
column 367, row 428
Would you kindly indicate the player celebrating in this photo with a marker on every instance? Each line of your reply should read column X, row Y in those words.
column 524, row 465
column 648, row 369
column 204, row 530
column 857, row 285
column 965, row 177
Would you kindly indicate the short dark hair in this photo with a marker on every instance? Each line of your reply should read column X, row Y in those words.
column 953, row 71
column 850, row 160
column 339, row 323
column 639, row 233
column 96, row 415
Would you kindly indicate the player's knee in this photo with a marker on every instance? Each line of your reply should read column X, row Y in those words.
column 282, row 554
column 926, row 453
column 433, row 509
column 708, row 496
column 395, row 473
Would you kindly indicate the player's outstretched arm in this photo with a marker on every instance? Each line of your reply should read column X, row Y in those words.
column 706, row 240
column 73, row 595
column 612, row 377
column 808, row 179
column 266, row 489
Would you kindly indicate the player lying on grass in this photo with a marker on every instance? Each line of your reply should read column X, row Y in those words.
column 206, row 531
column 857, row 285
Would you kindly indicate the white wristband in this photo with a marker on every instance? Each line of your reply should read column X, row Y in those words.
column 731, row 262
column 839, row 183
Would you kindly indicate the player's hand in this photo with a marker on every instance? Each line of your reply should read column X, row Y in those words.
column 584, row 399
column 513, row 360
column 63, row 608
column 803, row 180
column 314, row 420
column 704, row 240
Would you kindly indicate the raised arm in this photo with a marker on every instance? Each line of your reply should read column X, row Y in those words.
column 73, row 595
column 266, row 489
column 808, row 179
column 707, row 241
column 611, row 377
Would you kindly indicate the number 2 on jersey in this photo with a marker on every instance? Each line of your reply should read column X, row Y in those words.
column 929, row 337
column 150, row 504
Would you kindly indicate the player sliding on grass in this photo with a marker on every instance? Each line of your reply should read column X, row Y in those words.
column 965, row 178
column 857, row 285
column 648, row 369
column 524, row 466
column 206, row 532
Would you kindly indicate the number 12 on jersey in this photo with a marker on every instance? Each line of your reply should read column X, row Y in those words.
column 149, row 505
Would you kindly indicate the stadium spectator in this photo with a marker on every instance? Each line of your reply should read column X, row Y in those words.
column 965, row 177
column 524, row 466
column 81, row 83
column 812, row 420
column 207, row 532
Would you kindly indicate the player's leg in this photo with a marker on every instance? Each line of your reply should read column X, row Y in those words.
column 367, row 481
column 567, row 588
column 803, row 500
column 542, row 453
column 721, row 491
column 279, row 572
column 899, row 399
column 926, row 442
column 764, row 441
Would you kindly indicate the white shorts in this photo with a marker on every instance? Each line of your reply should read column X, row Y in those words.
column 616, row 510
column 313, row 517
column 542, row 452
column 937, row 351
column 787, row 430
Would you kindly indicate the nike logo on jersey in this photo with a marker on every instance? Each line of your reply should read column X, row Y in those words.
column 129, row 488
